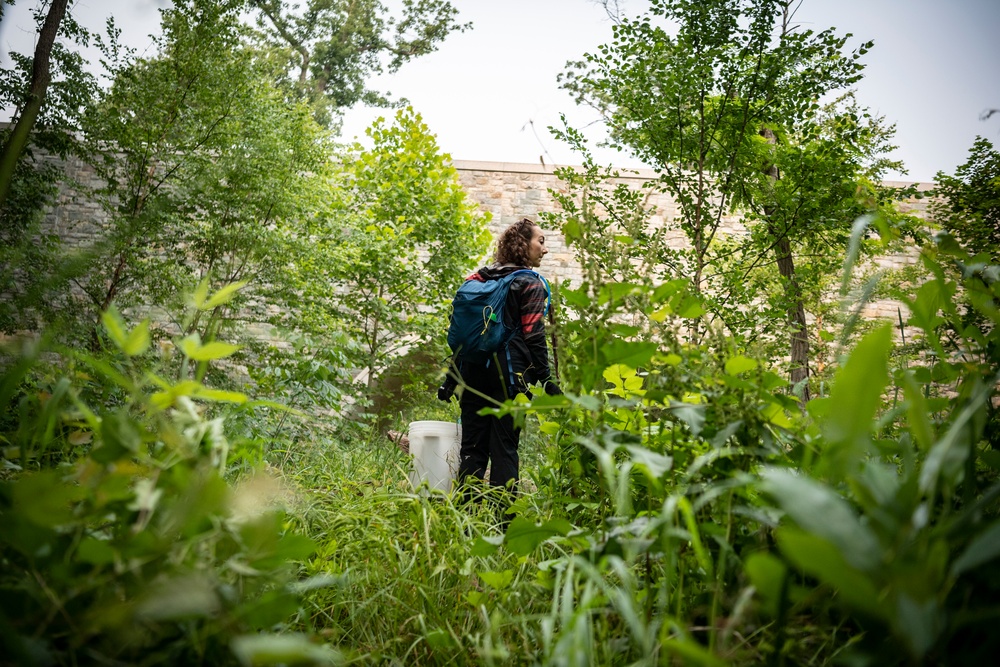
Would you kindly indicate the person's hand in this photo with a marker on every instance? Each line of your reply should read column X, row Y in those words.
column 552, row 389
column 447, row 389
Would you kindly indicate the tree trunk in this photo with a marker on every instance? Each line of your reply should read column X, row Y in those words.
column 40, row 77
column 796, row 312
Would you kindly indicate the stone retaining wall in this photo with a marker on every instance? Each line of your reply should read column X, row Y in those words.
column 511, row 191
column 508, row 191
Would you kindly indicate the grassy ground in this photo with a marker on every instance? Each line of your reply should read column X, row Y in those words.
column 412, row 578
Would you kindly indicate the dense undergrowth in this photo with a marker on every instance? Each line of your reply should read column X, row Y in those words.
column 680, row 508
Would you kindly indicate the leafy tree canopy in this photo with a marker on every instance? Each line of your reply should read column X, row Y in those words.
column 329, row 49
column 969, row 204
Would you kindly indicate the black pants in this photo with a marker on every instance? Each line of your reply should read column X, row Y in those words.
column 488, row 440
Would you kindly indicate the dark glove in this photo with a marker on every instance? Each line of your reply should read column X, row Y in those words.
column 446, row 390
column 552, row 389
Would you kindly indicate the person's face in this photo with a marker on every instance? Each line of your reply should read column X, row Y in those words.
column 536, row 247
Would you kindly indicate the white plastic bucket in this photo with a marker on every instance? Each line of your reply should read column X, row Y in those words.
column 435, row 448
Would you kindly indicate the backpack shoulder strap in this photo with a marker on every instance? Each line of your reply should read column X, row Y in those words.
column 548, row 288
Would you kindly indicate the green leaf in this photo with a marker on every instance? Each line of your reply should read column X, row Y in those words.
column 283, row 649
column 220, row 395
column 816, row 556
column 820, row 510
column 634, row 354
column 137, row 340
column 571, row 231
column 223, row 296
column 919, row 623
column 768, row 575
column 497, row 580
column 691, row 651
column 119, row 437
column 200, row 293
column 983, row 548
column 439, row 639
column 486, row 546
column 45, row 498
column 690, row 414
column 740, row 364
column 858, row 231
column 523, row 535
column 626, row 382
column 855, row 399
column 653, row 464
column 917, row 412
column 114, row 326
column 946, row 459
column 95, row 552
column 192, row 348
column 690, row 307
column 179, row 598
column 691, row 522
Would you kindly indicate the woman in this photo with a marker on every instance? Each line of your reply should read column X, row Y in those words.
column 489, row 439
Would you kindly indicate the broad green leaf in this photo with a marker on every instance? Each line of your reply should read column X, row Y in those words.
column 193, row 349
column 523, row 535
column 692, row 652
column 549, row 427
column 660, row 314
column 287, row 648
column 137, row 340
column 485, row 546
column 439, row 639
column 182, row 597
column 95, row 552
column 690, row 308
column 927, row 303
column 855, row 399
column 917, row 412
column 768, row 575
column 691, row 522
column 45, row 498
column 820, row 510
column 164, row 399
column 653, row 464
column 919, row 623
column 586, row 401
column 497, row 580
column 775, row 414
column 858, row 230
column 740, row 364
column 946, row 459
column 114, row 326
column 571, row 231
column 634, row 354
column 692, row 415
column 224, row 295
column 200, row 293
column 625, row 380
column 816, row 556
column 984, row 548
column 476, row 598
column 119, row 437
column 220, row 395
column 542, row 401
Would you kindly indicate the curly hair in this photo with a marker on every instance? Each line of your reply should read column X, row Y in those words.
column 512, row 246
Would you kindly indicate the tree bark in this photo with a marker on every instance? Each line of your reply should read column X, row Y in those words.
column 40, row 78
column 796, row 312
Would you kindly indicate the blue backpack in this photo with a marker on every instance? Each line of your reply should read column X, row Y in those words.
column 477, row 328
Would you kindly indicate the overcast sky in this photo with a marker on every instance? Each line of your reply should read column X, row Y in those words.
column 489, row 93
